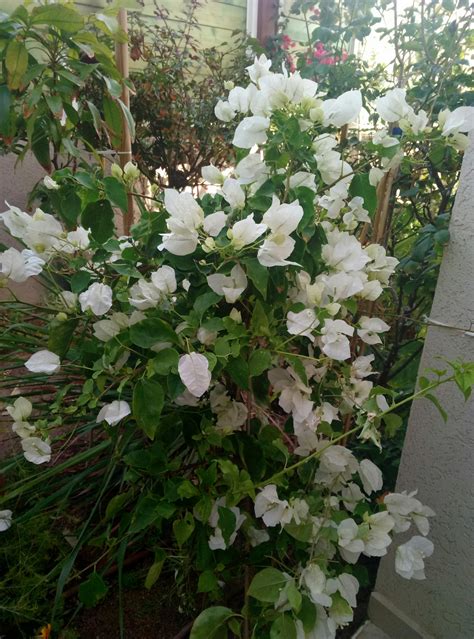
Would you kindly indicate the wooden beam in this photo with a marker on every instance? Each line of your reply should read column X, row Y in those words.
column 125, row 150
column 267, row 19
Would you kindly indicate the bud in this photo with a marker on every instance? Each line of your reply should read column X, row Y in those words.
column 228, row 85
column 116, row 171
column 236, row 316
column 61, row 317
column 131, row 172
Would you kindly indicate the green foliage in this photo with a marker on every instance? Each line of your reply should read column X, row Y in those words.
column 48, row 55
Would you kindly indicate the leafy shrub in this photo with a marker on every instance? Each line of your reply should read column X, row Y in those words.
column 214, row 369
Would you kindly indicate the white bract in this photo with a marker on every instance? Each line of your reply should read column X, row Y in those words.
column 409, row 557
column 97, row 299
column 114, row 412
column 194, row 372
column 18, row 266
column 43, row 361
column 231, row 286
column 5, row 519
column 36, row 450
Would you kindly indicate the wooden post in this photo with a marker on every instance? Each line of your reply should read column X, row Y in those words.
column 125, row 151
column 267, row 19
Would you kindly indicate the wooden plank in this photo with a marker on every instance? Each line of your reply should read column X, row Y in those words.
column 213, row 14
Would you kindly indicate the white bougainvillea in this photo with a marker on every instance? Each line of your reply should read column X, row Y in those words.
column 229, row 343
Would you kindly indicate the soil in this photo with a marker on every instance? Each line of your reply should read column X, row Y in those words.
column 150, row 615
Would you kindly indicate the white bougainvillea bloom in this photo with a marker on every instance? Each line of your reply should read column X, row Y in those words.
column 302, row 323
column 256, row 536
column 50, row 184
column 409, row 557
column 43, row 361
column 231, row 415
column 212, row 174
column 369, row 327
column 194, row 372
column 351, row 496
column 271, row 509
column 20, row 410
column 15, row 220
column 334, row 339
column 314, row 580
column 44, row 233
column 5, row 519
column 164, row 279
column 75, row 240
column 251, row 169
column 114, row 412
column 346, row 585
column 344, row 252
column 375, row 175
column 294, row 394
column 377, row 539
column 239, row 99
column 336, row 462
column 233, row 193
column 393, row 105
column 461, row 120
column 231, row 286
column 19, row 266
column 405, row 509
column 214, row 223
column 371, row 476
column 259, row 68
column 223, row 111
column 349, row 542
column 250, row 131
column 36, row 450
column 217, row 541
column 97, row 299
column 302, row 178
column 186, row 216
column 342, row 110
column 282, row 220
column 245, row 232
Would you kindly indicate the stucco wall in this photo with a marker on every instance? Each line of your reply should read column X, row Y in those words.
column 438, row 459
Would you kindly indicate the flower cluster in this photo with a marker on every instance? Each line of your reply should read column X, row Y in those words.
column 229, row 339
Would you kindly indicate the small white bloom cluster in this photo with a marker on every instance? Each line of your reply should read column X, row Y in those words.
column 36, row 449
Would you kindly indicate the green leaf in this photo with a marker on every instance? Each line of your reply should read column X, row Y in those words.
column 116, row 193
column 166, row 359
column 154, row 571
column 16, row 63
column 60, row 336
column 227, row 522
column 207, row 581
column 183, row 528
column 211, row 623
column 259, row 362
column 301, row 532
column 267, row 585
column 59, row 16
column 283, row 628
column 145, row 513
column 5, row 102
column 80, row 281
column 150, row 331
column 257, row 274
column 99, row 218
column 116, row 504
column 205, row 301
column 55, row 104
column 295, row 598
column 113, row 120
column 128, row 119
column 392, row 423
column 40, row 143
column 435, row 401
column 92, row 590
column 307, row 614
column 259, row 322
column 96, row 119
column 148, row 400
column 360, row 186
column 238, row 370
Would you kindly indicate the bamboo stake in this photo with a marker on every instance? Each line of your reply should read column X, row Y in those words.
column 125, row 155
